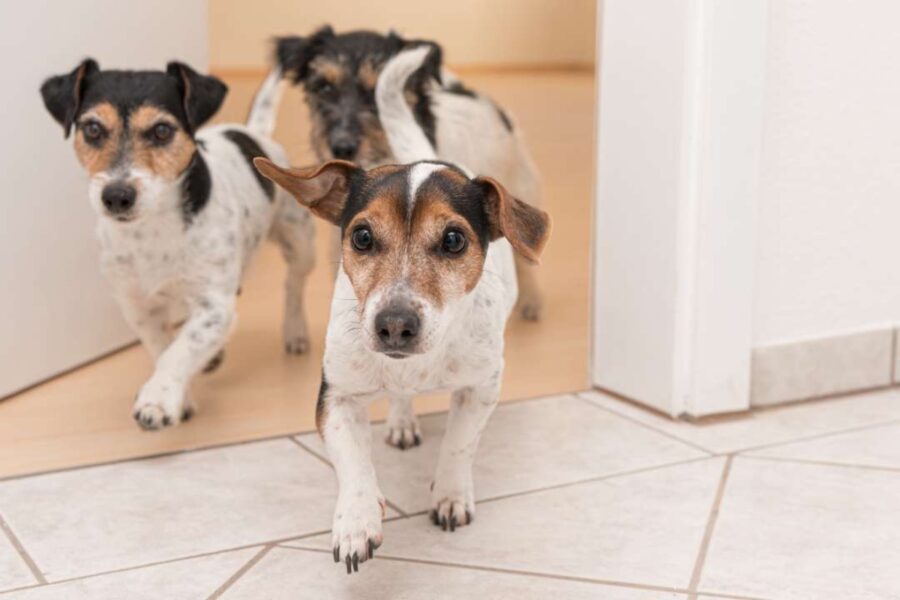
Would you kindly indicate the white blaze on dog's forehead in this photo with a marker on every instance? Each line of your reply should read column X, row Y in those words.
column 418, row 175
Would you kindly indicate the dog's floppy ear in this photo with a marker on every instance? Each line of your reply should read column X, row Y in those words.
column 294, row 53
column 527, row 228
column 431, row 67
column 62, row 94
column 322, row 189
column 201, row 95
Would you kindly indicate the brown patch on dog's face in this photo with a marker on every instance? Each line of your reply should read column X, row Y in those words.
column 435, row 273
column 368, row 75
column 408, row 250
column 327, row 70
column 158, row 144
column 97, row 139
column 148, row 138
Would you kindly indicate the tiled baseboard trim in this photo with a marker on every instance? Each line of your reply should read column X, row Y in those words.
column 820, row 367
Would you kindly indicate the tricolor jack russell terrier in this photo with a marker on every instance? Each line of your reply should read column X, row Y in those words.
column 338, row 73
column 181, row 212
column 426, row 285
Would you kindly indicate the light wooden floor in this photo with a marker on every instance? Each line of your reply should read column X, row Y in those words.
column 84, row 417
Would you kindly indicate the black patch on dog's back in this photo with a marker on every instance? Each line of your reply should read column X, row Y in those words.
column 196, row 186
column 250, row 150
column 504, row 117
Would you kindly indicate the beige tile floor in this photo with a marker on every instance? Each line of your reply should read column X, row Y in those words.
column 85, row 418
column 579, row 496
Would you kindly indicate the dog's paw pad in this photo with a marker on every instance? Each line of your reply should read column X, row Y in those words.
column 356, row 532
column 151, row 417
column 298, row 345
column 215, row 362
column 530, row 311
column 403, row 437
column 450, row 513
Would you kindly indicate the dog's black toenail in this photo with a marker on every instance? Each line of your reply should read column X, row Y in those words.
column 355, row 563
column 452, row 523
column 417, row 440
column 186, row 414
column 434, row 517
column 371, row 548
column 337, row 554
column 349, row 568
column 444, row 523
column 166, row 420
column 469, row 517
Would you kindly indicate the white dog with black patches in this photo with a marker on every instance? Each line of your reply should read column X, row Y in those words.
column 426, row 284
column 181, row 212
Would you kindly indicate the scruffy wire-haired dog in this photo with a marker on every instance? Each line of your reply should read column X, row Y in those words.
column 426, row 285
column 339, row 72
column 181, row 212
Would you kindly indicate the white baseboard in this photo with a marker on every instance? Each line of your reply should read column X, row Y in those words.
column 822, row 367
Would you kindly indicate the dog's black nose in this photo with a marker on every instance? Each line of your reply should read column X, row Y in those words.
column 344, row 150
column 396, row 328
column 118, row 198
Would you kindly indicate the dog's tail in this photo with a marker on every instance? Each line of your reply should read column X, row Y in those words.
column 264, row 111
column 407, row 140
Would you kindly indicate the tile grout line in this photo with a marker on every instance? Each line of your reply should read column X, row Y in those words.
column 710, row 527
column 241, row 572
column 893, row 379
column 814, row 436
column 390, row 504
column 555, row 576
column 167, row 561
column 647, row 426
column 268, row 438
column 23, row 554
column 775, row 444
column 295, row 538
column 821, row 463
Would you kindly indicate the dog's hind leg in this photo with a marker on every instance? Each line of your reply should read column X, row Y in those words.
column 402, row 425
column 453, row 493
column 526, row 187
column 294, row 231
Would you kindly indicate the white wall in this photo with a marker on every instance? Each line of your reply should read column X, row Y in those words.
column 55, row 308
column 829, row 214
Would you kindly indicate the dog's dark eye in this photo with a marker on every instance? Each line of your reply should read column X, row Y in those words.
column 454, row 241
column 162, row 133
column 323, row 88
column 362, row 239
column 92, row 131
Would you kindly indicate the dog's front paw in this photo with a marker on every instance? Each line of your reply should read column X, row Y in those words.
column 297, row 345
column 453, row 506
column 161, row 403
column 529, row 307
column 356, row 531
column 296, row 334
column 403, row 433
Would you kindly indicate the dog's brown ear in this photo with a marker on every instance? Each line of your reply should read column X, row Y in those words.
column 527, row 228
column 201, row 95
column 322, row 189
column 62, row 94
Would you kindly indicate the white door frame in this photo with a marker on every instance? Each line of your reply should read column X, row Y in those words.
column 679, row 135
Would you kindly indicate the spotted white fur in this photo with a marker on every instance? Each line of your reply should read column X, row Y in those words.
column 165, row 271
column 463, row 354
